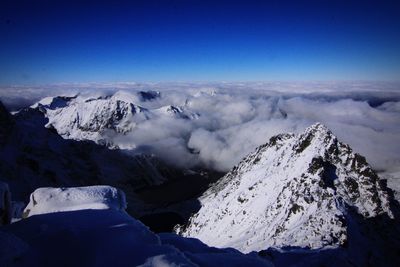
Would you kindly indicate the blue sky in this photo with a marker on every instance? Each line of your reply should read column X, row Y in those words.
column 105, row 41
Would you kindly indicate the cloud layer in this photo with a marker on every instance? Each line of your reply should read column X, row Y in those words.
column 234, row 118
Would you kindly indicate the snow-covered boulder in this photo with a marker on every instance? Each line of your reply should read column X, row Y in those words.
column 49, row 200
column 5, row 204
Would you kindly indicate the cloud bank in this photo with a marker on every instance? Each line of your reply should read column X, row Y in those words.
column 232, row 119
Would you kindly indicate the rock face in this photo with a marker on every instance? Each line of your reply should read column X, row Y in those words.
column 296, row 190
column 50, row 200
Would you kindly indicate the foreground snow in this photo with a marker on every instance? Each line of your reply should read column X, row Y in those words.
column 50, row 200
column 68, row 234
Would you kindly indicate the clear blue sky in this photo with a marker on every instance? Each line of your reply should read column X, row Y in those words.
column 81, row 41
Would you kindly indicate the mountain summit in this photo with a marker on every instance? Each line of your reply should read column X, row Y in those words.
column 296, row 190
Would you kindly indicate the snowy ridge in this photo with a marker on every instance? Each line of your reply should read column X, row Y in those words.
column 293, row 191
column 50, row 200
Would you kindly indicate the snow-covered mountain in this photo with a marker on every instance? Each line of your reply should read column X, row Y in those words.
column 296, row 190
column 101, row 118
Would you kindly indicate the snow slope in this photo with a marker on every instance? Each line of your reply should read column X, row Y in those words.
column 296, row 190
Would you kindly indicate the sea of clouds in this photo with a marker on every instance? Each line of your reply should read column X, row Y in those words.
column 232, row 119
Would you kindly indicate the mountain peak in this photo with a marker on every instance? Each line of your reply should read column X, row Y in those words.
column 317, row 136
column 319, row 131
column 293, row 191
